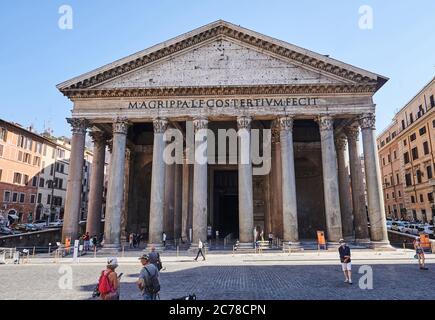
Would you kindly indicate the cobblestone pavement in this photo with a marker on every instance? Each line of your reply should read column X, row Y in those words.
column 256, row 278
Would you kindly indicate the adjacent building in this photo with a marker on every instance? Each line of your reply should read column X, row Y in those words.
column 33, row 175
column 406, row 155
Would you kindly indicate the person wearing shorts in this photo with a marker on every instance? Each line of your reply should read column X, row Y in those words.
column 346, row 264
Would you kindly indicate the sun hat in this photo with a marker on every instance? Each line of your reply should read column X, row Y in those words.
column 112, row 262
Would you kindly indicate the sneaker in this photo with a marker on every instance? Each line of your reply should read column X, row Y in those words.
column 350, row 281
column 346, row 281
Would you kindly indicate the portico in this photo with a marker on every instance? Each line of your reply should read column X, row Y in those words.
column 305, row 106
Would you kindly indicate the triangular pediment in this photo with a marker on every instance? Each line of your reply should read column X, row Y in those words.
column 222, row 54
column 221, row 62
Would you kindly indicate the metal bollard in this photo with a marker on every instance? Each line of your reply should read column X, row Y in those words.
column 33, row 253
column 178, row 249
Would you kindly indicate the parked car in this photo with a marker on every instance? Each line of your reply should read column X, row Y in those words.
column 6, row 231
column 428, row 229
column 411, row 229
column 56, row 224
column 389, row 224
column 399, row 225
column 40, row 223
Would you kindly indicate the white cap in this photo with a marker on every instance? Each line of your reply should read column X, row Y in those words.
column 113, row 262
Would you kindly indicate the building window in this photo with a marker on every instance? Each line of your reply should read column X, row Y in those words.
column 49, row 199
column 389, row 158
column 404, row 142
column 395, row 155
column 432, row 101
column 14, row 197
column 406, row 157
column 41, row 182
column 418, row 173
column 430, row 197
column 26, row 179
column 1, row 150
column 422, row 130
column 7, row 196
column 27, row 158
column 421, row 198
column 393, row 195
column 403, row 125
column 397, row 178
column 3, row 134
column 429, row 172
column 399, row 193
column 408, row 180
column 412, row 199
column 17, row 178
column 426, row 147
column 412, row 137
column 35, row 181
column 32, row 198
column 411, row 118
column 36, row 161
column 414, row 153
column 388, row 196
column 39, row 197
column 383, row 161
column 22, row 197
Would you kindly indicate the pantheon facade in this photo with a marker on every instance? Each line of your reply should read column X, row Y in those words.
column 225, row 76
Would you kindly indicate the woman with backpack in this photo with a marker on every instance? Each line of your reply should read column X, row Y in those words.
column 108, row 285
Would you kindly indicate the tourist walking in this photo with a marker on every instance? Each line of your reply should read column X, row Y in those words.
column 131, row 241
column 108, row 284
column 270, row 239
column 345, row 259
column 155, row 258
column 200, row 247
column 86, row 241
column 164, row 239
column 419, row 253
column 148, row 282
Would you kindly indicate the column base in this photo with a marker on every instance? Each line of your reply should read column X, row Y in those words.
column 108, row 249
column 332, row 245
column 292, row 246
column 363, row 242
column 381, row 246
column 159, row 247
column 194, row 248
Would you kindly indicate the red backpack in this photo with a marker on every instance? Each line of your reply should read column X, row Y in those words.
column 104, row 286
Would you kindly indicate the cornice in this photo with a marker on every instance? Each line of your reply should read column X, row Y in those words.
column 219, row 91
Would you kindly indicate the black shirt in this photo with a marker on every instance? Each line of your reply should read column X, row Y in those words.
column 344, row 251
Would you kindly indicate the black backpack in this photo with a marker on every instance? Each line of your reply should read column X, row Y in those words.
column 152, row 284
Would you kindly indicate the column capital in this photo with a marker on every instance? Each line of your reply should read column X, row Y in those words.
column 340, row 143
column 120, row 125
column 325, row 122
column 200, row 123
column 160, row 125
column 98, row 137
column 352, row 132
column 367, row 121
column 275, row 131
column 285, row 123
column 244, row 122
column 78, row 125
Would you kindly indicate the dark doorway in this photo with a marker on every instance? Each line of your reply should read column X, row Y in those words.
column 226, row 203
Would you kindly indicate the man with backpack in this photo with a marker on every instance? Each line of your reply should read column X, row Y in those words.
column 154, row 258
column 108, row 284
column 148, row 281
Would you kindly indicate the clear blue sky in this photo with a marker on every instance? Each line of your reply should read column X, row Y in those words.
column 36, row 55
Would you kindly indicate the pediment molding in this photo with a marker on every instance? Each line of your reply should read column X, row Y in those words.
column 219, row 30
column 220, row 91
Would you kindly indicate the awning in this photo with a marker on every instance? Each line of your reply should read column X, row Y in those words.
column 13, row 216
